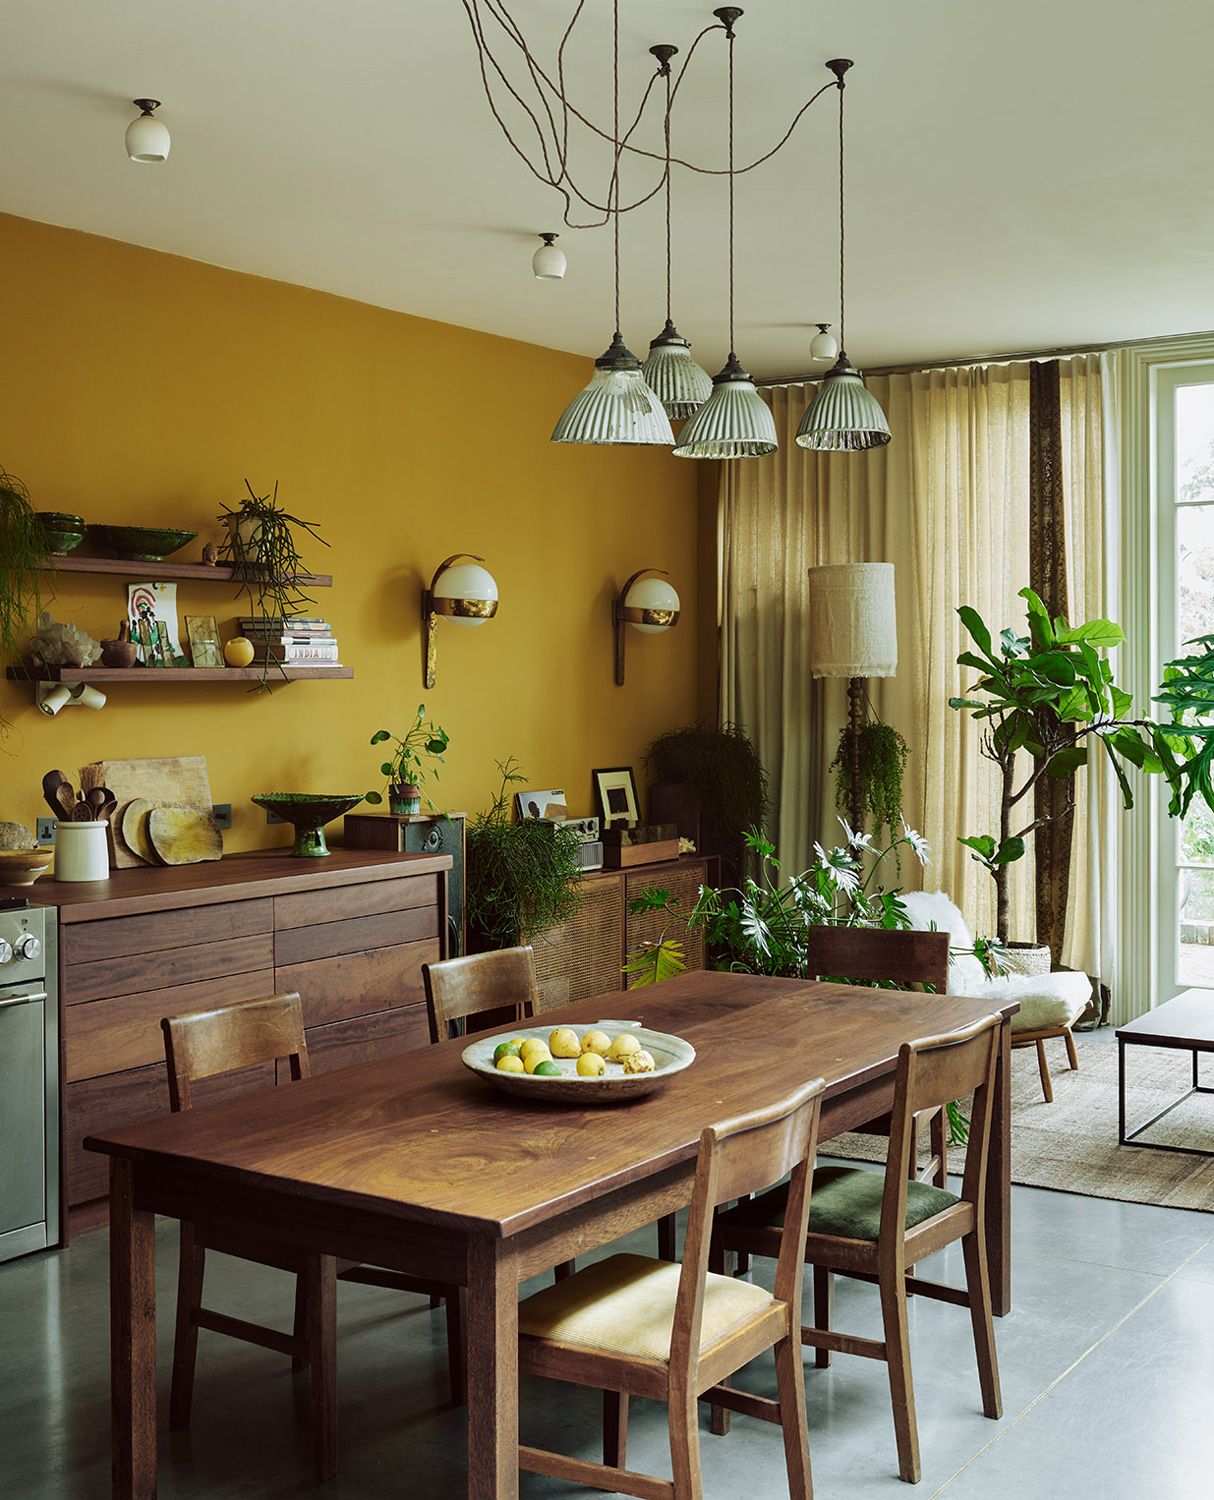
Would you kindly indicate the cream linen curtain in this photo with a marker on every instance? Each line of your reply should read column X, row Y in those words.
column 947, row 503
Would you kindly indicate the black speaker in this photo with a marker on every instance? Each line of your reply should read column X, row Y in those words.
column 419, row 833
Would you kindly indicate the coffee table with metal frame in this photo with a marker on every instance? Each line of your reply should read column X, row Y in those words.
column 1184, row 1024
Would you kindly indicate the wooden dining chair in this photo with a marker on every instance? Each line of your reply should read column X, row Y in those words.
column 633, row 1326
column 875, row 1226
column 200, row 1046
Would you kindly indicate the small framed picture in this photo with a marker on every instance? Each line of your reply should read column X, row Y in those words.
column 204, row 640
column 617, row 793
column 550, row 804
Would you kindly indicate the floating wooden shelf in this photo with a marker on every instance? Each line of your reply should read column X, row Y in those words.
column 164, row 675
column 119, row 567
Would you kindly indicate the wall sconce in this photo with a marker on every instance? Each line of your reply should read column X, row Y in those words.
column 51, row 697
column 460, row 592
column 646, row 602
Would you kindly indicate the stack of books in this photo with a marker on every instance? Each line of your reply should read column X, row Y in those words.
column 299, row 641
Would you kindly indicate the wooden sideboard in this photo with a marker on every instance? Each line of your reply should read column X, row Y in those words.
column 584, row 956
column 350, row 933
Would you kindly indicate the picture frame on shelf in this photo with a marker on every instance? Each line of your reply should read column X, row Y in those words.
column 203, row 633
column 152, row 616
column 549, row 804
column 616, row 790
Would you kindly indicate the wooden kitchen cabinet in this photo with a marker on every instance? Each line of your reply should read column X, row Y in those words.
column 350, row 933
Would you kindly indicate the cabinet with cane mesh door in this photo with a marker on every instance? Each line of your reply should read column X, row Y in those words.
column 584, row 956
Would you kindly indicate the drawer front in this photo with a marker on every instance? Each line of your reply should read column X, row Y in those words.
column 355, row 984
column 366, row 1038
column 109, row 1036
column 116, row 937
column 329, row 939
column 134, row 973
column 366, row 900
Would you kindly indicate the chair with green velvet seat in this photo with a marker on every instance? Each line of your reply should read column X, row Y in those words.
column 876, row 1226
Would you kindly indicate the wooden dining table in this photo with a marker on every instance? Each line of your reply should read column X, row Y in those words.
column 415, row 1164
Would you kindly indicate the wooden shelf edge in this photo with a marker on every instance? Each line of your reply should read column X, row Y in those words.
column 173, row 674
column 118, row 567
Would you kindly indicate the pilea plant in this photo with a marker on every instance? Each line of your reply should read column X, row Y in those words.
column 406, row 765
column 881, row 763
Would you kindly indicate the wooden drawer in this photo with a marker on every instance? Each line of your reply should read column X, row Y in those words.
column 328, row 939
column 366, row 900
column 347, row 1043
column 355, row 984
column 116, row 937
column 109, row 1036
column 105, row 978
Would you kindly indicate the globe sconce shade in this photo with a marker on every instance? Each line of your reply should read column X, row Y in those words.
column 461, row 592
column 845, row 416
column 616, row 407
column 735, row 421
column 548, row 263
column 147, row 139
column 649, row 604
column 680, row 384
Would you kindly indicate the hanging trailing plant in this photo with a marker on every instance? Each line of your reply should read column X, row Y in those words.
column 881, row 763
column 23, row 552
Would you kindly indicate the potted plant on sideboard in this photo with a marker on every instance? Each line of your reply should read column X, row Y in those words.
column 413, row 756
column 711, row 782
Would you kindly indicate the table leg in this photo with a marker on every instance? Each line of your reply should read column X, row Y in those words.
column 1120, row 1091
column 492, row 1337
column 999, row 1182
column 132, row 1340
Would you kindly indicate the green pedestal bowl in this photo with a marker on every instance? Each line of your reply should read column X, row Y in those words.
column 308, row 812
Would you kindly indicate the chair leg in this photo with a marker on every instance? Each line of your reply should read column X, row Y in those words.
column 300, row 1326
column 666, row 1238
column 1071, row 1055
column 191, row 1267
column 978, row 1285
column 824, row 1306
column 457, row 1369
column 1043, row 1067
column 901, row 1386
column 682, row 1415
column 615, row 1429
column 321, row 1275
column 790, row 1387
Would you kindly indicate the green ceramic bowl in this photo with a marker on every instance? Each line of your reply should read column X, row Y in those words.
column 139, row 543
column 62, row 531
column 308, row 812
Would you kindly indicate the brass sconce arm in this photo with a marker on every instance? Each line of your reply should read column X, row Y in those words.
column 623, row 613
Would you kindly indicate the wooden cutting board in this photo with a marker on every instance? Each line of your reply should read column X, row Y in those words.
column 179, row 780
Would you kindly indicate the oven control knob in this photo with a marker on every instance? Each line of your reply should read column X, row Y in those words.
column 27, row 946
column 6, row 952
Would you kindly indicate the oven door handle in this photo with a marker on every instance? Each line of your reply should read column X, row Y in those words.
column 9, row 1000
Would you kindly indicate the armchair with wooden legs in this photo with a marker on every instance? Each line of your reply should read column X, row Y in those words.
column 632, row 1326
column 875, row 1226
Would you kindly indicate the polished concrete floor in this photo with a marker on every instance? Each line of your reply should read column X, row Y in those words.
column 1107, row 1365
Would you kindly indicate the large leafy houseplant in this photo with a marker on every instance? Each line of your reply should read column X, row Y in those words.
column 23, row 554
column 721, row 774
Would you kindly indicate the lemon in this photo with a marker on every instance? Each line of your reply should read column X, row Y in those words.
column 564, row 1042
column 533, row 1044
column 624, row 1044
column 591, row 1065
column 504, row 1049
column 535, row 1060
column 509, row 1063
column 546, row 1069
column 596, row 1041
column 639, row 1062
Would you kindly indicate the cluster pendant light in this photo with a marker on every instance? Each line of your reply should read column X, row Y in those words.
column 735, row 421
column 844, row 416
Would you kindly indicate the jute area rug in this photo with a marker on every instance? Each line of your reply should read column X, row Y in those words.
column 1071, row 1145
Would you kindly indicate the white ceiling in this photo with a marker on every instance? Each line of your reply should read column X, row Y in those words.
column 1020, row 175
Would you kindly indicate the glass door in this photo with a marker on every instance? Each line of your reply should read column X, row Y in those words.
column 1185, row 452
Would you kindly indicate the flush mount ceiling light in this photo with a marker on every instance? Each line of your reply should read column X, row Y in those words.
column 824, row 346
column 147, row 138
column 548, row 263
column 844, row 417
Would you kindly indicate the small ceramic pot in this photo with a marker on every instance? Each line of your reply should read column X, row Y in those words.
column 81, row 851
column 404, row 798
column 120, row 651
column 244, row 531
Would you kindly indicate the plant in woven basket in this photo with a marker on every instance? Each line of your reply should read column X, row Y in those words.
column 880, row 762
column 23, row 552
column 522, row 877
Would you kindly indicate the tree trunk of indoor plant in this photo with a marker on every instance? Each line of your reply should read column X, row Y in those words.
column 1002, row 901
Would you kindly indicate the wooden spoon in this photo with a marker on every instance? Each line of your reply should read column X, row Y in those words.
column 51, row 784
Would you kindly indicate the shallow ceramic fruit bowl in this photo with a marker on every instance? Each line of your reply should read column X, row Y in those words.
column 308, row 812
column 23, row 866
column 671, row 1054
column 139, row 543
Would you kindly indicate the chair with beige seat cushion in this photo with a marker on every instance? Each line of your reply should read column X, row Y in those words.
column 632, row 1326
column 1050, row 1004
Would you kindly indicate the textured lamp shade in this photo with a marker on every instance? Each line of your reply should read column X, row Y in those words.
column 852, row 626
column 844, row 416
column 466, row 594
column 616, row 407
column 651, row 605
column 735, row 421
column 147, row 140
column 679, row 383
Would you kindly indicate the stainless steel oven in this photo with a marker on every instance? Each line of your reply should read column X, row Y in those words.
column 29, row 1078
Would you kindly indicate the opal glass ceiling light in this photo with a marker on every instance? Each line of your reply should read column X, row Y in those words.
column 649, row 604
column 462, row 593
column 147, row 138
column 844, row 416
column 548, row 263
column 824, row 346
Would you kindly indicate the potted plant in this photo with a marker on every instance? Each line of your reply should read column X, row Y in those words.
column 23, row 553
column 406, row 766
column 711, row 783
column 870, row 780
column 522, row 878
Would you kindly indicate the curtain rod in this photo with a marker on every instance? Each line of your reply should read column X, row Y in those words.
column 969, row 361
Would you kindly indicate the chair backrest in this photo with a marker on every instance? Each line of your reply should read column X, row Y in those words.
column 874, row 954
column 461, row 987
column 207, row 1042
column 932, row 1072
column 738, row 1157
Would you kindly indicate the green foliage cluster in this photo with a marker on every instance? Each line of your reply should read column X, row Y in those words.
column 723, row 774
column 23, row 550
column 522, row 878
column 882, row 762
column 406, row 763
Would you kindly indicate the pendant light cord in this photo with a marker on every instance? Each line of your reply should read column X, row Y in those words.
column 842, row 301
column 729, row 40
column 614, row 199
column 669, row 103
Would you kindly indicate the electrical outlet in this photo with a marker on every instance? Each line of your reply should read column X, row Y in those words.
column 272, row 817
column 222, row 813
column 45, row 830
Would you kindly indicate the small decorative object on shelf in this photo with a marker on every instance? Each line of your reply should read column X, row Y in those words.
column 139, row 543
column 646, row 844
column 61, row 645
column 616, row 789
column 203, row 633
column 239, row 651
column 63, row 532
column 406, row 767
column 152, row 611
column 210, row 555
column 120, row 650
column 308, row 812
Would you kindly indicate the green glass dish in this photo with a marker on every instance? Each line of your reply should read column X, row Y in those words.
column 139, row 543
column 62, row 531
column 308, row 812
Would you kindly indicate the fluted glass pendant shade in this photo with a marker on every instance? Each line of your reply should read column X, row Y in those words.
column 735, row 421
column 681, row 385
column 616, row 407
column 845, row 416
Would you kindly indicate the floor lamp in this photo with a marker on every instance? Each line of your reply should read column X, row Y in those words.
column 853, row 633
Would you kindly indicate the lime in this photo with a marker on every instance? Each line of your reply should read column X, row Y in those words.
column 505, row 1049
column 546, row 1069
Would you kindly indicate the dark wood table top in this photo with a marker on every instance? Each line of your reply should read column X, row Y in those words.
column 420, row 1137
column 1186, row 1021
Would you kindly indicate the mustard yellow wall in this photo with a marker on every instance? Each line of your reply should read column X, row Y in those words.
column 141, row 388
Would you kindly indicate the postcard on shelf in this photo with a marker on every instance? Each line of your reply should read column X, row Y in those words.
column 152, row 614
column 204, row 640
